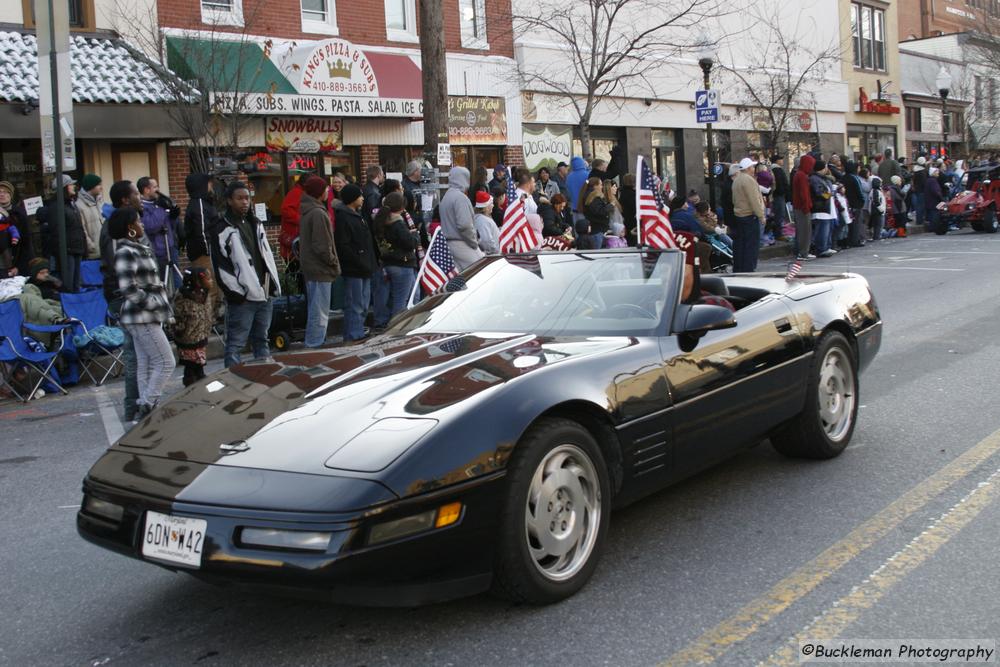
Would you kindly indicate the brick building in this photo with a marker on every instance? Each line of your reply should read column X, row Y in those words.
column 930, row 18
column 331, row 86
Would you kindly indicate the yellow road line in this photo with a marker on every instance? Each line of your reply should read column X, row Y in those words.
column 847, row 610
column 716, row 641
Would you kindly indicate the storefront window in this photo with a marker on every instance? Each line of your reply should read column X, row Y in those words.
column 601, row 143
column 865, row 141
column 666, row 156
column 394, row 158
column 20, row 165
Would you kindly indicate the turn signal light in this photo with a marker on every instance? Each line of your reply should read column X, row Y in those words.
column 448, row 514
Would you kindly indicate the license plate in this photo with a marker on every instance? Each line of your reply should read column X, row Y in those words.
column 176, row 539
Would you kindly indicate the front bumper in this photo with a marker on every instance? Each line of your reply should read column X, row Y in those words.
column 429, row 567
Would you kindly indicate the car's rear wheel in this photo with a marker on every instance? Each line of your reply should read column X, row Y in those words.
column 824, row 428
column 990, row 224
column 556, row 514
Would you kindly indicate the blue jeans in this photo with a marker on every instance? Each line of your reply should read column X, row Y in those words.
column 249, row 320
column 380, row 298
column 822, row 230
column 746, row 243
column 918, row 207
column 597, row 241
column 130, row 361
column 401, row 279
column 780, row 213
column 318, row 303
column 357, row 294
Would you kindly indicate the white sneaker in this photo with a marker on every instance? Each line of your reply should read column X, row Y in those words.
column 828, row 253
column 806, row 258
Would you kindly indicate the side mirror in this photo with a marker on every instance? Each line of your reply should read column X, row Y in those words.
column 698, row 319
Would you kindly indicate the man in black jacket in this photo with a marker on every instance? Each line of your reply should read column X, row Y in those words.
column 358, row 261
column 374, row 177
column 199, row 218
column 855, row 202
column 781, row 193
column 76, row 238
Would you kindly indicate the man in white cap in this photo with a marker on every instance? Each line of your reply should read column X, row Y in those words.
column 917, row 184
column 748, row 216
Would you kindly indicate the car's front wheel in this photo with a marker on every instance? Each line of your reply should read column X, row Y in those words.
column 555, row 516
column 824, row 428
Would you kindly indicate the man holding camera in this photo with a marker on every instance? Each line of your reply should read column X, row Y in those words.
column 161, row 220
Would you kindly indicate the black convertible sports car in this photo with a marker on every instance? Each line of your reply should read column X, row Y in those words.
column 483, row 441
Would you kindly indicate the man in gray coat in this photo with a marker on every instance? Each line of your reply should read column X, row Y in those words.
column 318, row 257
column 458, row 220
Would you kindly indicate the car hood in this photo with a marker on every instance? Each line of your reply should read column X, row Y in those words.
column 295, row 413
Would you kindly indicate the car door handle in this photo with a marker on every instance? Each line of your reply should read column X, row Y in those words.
column 783, row 326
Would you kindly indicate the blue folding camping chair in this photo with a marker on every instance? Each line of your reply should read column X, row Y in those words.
column 90, row 274
column 15, row 353
column 98, row 345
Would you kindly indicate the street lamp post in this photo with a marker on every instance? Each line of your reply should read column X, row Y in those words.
column 943, row 82
column 706, row 60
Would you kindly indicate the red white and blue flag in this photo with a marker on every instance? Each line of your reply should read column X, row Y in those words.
column 439, row 265
column 655, row 229
column 516, row 233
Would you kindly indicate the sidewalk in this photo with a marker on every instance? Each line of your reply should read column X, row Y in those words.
column 786, row 248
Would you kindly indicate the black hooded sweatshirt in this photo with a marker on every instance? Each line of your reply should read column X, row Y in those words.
column 200, row 216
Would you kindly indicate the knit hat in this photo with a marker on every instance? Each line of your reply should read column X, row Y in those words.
column 89, row 182
column 483, row 199
column 896, row 180
column 66, row 180
column 349, row 193
column 819, row 166
column 921, row 160
column 8, row 187
column 499, row 167
column 36, row 266
column 315, row 186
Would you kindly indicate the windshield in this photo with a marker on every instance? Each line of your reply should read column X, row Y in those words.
column 615, row 293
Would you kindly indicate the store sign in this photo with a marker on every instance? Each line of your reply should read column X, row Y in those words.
column 296, row 105
column 304, row 134
column 805, row 121
column 882, row 106
column 547, row 146
column 301, row 163
column 477, row 120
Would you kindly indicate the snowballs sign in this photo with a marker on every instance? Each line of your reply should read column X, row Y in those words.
column 304, row 135
column 544, row 147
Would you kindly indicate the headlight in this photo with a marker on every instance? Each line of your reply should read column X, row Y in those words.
column 103, row 508
column 285, row 539
column 440, row 517
column 969, row 207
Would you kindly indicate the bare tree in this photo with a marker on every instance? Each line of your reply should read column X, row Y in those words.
column 208, row 85
column 609, row 48
column 980, row 83
column 776, row 77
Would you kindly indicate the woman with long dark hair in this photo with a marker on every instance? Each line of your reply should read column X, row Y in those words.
column 397, row 245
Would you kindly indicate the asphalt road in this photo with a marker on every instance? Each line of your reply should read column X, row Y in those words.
column 897, row 538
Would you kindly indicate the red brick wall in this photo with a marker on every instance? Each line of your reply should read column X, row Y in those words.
column 369, row 157
column 178, row 168
column 359, row 21
column 513, row 156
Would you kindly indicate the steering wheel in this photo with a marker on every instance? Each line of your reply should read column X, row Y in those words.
column 627, row 309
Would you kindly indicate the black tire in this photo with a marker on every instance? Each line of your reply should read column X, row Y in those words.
column 517, row 576
column 281, row 341
column 989, row 223
column 806, row 436
column 941, row 227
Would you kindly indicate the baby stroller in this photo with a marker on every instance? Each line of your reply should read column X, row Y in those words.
column 721, row 259
column 289, row 311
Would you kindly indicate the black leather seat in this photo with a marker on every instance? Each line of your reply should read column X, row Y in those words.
column 714, row 285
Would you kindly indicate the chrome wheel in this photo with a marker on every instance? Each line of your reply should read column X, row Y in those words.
column 562, row 512
column 836, row 394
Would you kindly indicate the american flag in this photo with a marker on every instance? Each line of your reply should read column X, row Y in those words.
column 439, row 265
column 527, row 262
column 793, row 270
column 516, row 234
column 655, row 228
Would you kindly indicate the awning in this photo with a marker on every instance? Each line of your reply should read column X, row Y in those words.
column 105, row 70
column 328, row 77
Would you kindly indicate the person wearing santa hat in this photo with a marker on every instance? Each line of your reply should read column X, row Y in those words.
column 489, row 234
